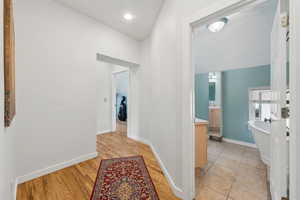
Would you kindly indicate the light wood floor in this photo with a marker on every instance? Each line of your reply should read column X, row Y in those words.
column 121, row 127
column 76, row 182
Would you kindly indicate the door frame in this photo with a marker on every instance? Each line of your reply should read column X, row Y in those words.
column 294, row 50
column 133, row 96
column 188, row 71
column 113, row 103
column 114, row 99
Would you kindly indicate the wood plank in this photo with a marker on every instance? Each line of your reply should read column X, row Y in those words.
column 76, row 182
column 201, row 138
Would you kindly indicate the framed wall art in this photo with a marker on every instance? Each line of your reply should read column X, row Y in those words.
column 9, row 63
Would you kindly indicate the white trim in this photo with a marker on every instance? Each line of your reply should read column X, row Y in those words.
column 56, row 167
column 265, row 160
column 14, row 188
column 294, row 89
column 113, row 102
column 133, row 103
column 247, row 144
column 120, row 71
column 188, row 71
column 103, row 132
column 176, row 190
column 115, row 61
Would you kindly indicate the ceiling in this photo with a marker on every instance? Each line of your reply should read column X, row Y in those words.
column 110, row 12
column 244, row 42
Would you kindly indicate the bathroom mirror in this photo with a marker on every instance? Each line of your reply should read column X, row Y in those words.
column 215, row 105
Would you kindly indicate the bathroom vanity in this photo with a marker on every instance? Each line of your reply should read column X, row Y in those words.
column 201, row 139
column 214, row 113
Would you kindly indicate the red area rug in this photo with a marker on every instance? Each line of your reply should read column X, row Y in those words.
column 124, row 179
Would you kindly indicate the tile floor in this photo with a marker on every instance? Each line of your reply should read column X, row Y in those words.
column 233, row 172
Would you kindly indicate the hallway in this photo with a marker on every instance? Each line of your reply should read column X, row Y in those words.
column 76, row 182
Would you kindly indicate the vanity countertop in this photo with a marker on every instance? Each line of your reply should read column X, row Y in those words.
column 200, row 121
column 214, row 107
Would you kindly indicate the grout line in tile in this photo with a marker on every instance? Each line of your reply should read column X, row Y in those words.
column 228, row 196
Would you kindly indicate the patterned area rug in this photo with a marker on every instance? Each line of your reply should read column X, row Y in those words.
column 124, row 179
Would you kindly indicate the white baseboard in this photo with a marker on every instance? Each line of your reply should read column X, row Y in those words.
column 14, row 188
column 176, row 190
column 239, row 142
column 103, row 132
column 56, row 167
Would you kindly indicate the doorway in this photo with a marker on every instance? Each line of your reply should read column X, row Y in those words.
column 219, row 10
column 121, row 94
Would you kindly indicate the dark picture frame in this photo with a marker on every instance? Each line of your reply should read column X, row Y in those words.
column 9, row 63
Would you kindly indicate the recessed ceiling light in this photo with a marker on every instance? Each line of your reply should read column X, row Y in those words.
column 128, row 16
column 217, row 25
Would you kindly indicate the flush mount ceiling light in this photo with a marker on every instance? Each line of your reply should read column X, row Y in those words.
column 217, row 25
column 128, row 16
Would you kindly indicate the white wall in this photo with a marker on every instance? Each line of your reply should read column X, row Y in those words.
column 218, row 101
column 104, row 94
column 161, row 85
column 160, row 90
column 56, row 85
column 122, row 83
column 7, row 136
column 244, row 42
column 56, row 81
column 7, row 158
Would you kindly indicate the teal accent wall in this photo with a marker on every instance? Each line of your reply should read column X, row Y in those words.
column 235, row 100
column 201, row 96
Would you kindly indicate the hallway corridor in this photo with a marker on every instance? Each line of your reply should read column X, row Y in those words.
column 76, row 182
